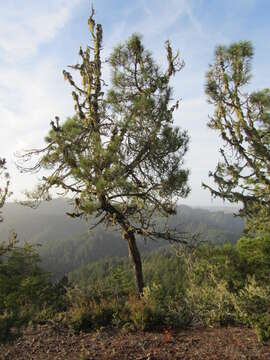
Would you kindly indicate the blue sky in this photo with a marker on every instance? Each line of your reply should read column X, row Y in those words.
column 38, row 39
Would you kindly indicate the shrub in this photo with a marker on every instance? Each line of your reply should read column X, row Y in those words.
column 154, row 310
column 102, row 312
column 255, row 252
column 78, row 317
column 7, row 321
column 253, row 308
column 144, row 314
column 85, row 312
column 262, row 327
column 79, row 320
column 209, row 300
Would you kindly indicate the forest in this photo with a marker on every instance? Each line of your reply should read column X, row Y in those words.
column 65, row 244
column 118, row 249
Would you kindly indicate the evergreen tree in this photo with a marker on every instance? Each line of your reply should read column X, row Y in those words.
column 4, row 176
column 25, row 289
column 119, row 156
column 243, row 122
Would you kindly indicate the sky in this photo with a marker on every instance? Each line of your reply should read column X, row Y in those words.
column 38, row 39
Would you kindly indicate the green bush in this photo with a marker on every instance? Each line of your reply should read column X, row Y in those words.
column 255, row 253
column 80, row 320
column 211, row 303
column 154, row 310
column 224, row 262
column 252, row 307
column 85, row 312
column 146, row 312
column 78, row 316
column 102, row 312
column 262, row 327
column 7, row 321
column 252, row 301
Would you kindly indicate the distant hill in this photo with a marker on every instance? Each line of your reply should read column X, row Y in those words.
column 225, row 209
column 66, row 243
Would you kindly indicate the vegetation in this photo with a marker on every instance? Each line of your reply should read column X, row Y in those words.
column 243, row 121
column 4, row 176
column 121, row 159
column 26, row 292
column 120, row 155
column 67, row 245
column 210, row 285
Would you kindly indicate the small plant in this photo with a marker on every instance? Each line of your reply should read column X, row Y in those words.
column 79, row 317
column 146, row 312
column 253, row 308
column 262, row 328
column 102, row 312
column 6, row 323
column 84, row 357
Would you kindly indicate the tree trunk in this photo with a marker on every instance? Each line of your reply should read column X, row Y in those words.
column 135, row 258
column 128, row 235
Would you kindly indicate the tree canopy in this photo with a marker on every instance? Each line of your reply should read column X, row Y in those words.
column 119, row 156
column 4, row 186
column 242, row 119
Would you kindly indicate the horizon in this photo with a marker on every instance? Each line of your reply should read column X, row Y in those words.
column 204, row 207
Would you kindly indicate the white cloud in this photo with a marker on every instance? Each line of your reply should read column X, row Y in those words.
column 32, row 91
column 160, row 16
column 27, row 97
column 203, row 148
column 26, row 24
column 28, row 100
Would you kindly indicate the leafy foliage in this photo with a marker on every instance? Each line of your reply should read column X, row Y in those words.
column 253, row 307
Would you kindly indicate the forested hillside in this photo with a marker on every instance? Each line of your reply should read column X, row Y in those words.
column 67, row 244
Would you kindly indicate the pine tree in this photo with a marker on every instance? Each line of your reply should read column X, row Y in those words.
column 119, row 156
column 4, row 175
column 25, row 289
column 243, row 122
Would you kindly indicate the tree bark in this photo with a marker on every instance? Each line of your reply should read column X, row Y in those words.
column 128, row 235
column 135, row 258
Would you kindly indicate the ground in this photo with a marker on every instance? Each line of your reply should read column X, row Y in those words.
column 47, row 342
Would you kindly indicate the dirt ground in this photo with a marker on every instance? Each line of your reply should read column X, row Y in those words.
column 47, row 342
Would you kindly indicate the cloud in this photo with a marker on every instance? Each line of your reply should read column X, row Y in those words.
column 161, row 16
column 153, row 19
column 32, row 90
column 25, row 25
column 30, row 100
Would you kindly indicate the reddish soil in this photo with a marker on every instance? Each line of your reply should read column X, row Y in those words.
column 230, row 343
